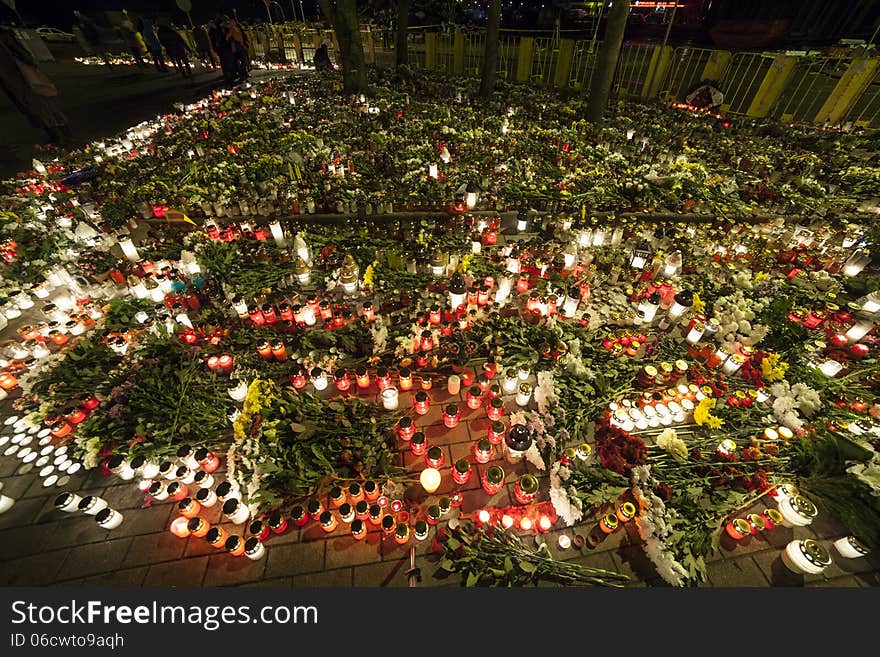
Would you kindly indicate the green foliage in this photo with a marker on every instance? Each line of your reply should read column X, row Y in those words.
column 497, row 558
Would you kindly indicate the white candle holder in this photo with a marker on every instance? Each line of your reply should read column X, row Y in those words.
column 109, row 518
column 797, row 511
column 68, row 502
column 806, row 556
column 849, row 547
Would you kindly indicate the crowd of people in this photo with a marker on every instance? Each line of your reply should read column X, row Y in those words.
column 221, row 43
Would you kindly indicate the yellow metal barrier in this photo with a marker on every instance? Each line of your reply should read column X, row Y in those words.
column 812, row 82
column 852, row 84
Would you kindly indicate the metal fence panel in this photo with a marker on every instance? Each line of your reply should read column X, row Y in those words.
column 685, row 72
column 865, row 111
column 743, row 78
column 583, row 64
column 632, row 69
column 813, row 81
column 542, row 60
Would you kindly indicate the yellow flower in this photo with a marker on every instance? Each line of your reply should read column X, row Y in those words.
column 699, row 305
column 760, row 277
column 714, row 422
column 369, row 274
column 772, row 369
column 464, row 263
column 701, row 412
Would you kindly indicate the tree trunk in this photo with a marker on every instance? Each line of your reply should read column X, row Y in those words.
column 401, row 43
column 607, row 63
column 490, row 54
column 342, row 15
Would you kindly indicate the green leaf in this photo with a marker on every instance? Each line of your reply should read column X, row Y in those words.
column 526, row 566
column 296, row 427
column 472, row 579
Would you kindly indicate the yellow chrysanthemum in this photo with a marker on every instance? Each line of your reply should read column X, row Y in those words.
column 370, row 274
column 772, row 369
column 699, row 305
column 701, row 412
column 464, row 263
column 714, row 422
column 760, row 277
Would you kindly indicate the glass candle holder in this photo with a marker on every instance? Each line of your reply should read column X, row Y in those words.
column 91, row 505
column 806, row 557
column 208, row 461
column 158, row 491
column 495, row 409
column 375, row 514
column 362, row 378
column 355, row 493
column 404, row 378
column 362, row 510
column 372, row 490
column 451, row 416
column 216, row 537
column 418, row 444
column 426, row 383
column 235, row 545
column 461, row 471
column 68, row 502
column 401, row 533
column 341, row 380
column 346, row 512
column 474, row 397
column 388, row 524
column 358, row 529
column 337, row 497
column 299, row 516
column 108, row 518
column 383, row 378
column 626, row 512
column 496, row 431
column 235, row 511
column 189, row 507
column 421, row 403
column 609, row 523
column 492, row 479
column 850, row 547
column 405, row 428
column 433, row 515
column 797, row 511
column 525, row 490
column 390, row 399
column 420, row 530
column 198, row 527
column 467, row 378
column 453, row 384
column 434, row 457
column 328, row 521
column 314, row 508
column 523, row 394
column 738, row 529
column 254, row 549
column 483, row 450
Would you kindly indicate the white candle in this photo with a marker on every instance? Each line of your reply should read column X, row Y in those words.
column 430, row 479
column 254, row 549
column 849, row 547
column 453, row 384
column 6, row 503
column 390, row 399
column 128, row 248
column 67, row 502
column 277, row 233
column 109, row 518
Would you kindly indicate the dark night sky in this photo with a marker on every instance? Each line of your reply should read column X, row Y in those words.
column 59, row 13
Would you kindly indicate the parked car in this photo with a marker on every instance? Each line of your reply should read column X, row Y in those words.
column 55, row 35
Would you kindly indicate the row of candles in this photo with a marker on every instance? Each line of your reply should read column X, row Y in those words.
column 794, row 510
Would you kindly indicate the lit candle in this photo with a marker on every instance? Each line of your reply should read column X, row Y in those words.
column 319, row 378
column 390, row 399
column 180, row 527
column 806, row 556
column 206, row 497
column 277, row 233
column 235, row 511
column 404, row 378
column 421, row 403
column 405, row 428
column 495, row 409
column 254, row 549
column 525, row 490
column 482, row 450
column 91, row 505
column 453, row 384
column 358, row 529
column 363, row 378
column 328, row 521
column 418, row 444
column 524, row 394
column 797, row 511
column 461, row 471
column 850, row 547
column 430, row 479
column 474, row 397
column 68, row 502
column 198, row 527
column 189, row 508
column 451, row 416
column 372, row 491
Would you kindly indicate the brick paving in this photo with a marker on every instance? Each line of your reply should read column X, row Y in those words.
column 42, row 546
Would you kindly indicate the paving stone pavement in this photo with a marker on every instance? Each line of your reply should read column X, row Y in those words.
column 40, row 545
